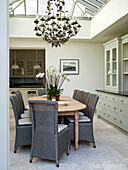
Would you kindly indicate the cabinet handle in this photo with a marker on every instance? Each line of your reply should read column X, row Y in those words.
column 121, row 121
column 121, row 110
column 113, row 98
column 106, row 96
column 108, row 115
column 108, row 106
column 104, row 104
column 122, row 100
column 114, row 118
column 115, row 108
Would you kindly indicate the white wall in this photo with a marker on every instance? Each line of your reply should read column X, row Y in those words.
column 4, row 86
column 112, row 12
column 90, row 57
column 24, row 27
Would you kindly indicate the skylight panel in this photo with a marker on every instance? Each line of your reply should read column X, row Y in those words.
column 19, row 10
column 31, row 7
column 77, row 12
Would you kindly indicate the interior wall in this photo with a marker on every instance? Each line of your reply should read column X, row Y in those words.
column 4, row 85
column 90, row 55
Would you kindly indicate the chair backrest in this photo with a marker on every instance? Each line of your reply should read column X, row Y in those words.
column 79, row 95
column 92, row 102
column 85, row 101
column 42, row 92
column 75, row 94
column 16, row 110
column 21, row 99
column 44, row 116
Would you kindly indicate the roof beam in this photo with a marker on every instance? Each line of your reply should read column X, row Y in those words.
column 73, row 8
column 104, row 1
column 12, row 1
column 89, row 11
column 88, row 5
column 97, row 3
column 25, row 7
column 16, row 6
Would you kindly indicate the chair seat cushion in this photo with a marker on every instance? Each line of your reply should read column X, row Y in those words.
column 81, row 114
column 61, row 127
column 81, row 119
column 25, row 121
column 26, row 114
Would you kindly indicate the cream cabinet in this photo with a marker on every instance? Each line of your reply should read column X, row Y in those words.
column 112, row 53
column 113, row 106
column 125, row 61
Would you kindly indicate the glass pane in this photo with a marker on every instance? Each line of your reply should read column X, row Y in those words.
column 114, row 54
column 108, row 56
column 31, row 7
column 108, row 80
column 114, row 82
column 108, row 68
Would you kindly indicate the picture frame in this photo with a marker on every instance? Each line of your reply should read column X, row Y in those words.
column 69, row 66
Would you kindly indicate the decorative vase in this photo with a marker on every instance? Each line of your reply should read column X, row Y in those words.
column 52, row 97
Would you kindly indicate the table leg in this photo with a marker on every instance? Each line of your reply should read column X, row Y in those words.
column 76, row 130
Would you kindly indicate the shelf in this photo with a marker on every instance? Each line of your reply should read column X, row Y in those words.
column 125, row 73
column 108, row 62
column 125, row 59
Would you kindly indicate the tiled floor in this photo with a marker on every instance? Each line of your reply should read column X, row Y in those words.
column 111, row 152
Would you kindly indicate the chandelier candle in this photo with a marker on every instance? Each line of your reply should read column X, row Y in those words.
column 57, row 28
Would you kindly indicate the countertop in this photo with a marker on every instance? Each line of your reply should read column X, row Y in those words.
column 121, row 93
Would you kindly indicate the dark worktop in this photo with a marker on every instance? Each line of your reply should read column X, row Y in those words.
column 121, row 93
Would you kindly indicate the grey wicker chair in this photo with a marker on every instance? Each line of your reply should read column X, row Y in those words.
column 84, row 100
column 24, row 112
column 75, row 94
column 42, row 92
column 79, row 95
column 49, row 139
column 85, row 123
column 23, row 126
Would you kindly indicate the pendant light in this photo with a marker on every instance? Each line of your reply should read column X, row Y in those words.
column 15, row 66
column 36, row 66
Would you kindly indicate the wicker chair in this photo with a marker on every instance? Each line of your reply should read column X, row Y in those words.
column 23, row 126
column 49, row 139
column 24, row 112
column 75, row 94
column 85, row 123
column 42, row 92
column 84, row 100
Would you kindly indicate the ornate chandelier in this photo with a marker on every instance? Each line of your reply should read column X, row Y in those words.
column 57, row 28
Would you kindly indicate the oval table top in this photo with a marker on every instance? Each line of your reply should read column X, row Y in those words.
column 72, row 106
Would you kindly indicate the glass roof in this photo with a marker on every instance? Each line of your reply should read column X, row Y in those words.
column 75, row 8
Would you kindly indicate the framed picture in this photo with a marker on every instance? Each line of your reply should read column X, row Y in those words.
column 69, row 66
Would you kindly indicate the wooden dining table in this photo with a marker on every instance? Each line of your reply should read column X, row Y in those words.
column 71, row 109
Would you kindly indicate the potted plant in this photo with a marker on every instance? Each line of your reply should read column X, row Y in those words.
column 54, row 82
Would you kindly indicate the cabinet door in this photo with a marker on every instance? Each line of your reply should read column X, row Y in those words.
column 108, row 68
column 114, row 67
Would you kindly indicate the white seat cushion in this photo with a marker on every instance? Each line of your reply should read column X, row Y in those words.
column 81, row 114
column 61, row 127
column 25, row 121
column 25, row 115
column 81, row 119
column 27, row 112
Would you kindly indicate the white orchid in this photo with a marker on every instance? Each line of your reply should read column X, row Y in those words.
column 53, row 77
column 40, row 75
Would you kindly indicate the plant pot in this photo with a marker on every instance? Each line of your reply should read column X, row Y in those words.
column 56, row 98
